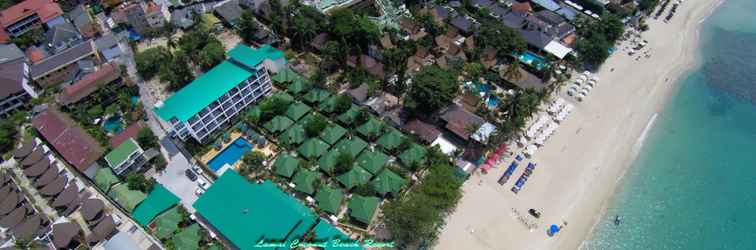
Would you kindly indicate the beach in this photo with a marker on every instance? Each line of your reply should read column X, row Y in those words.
column 581, row 164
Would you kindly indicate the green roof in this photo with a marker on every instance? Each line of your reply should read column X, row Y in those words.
column 278, row 124
column 294, row 135
column 371, row 129
column 205, row 89
column 299, row 85
column 288, row 76
column 188, row 238
column 325, row 232
column 297, row 110
column 252, row 57
column 354, row 177
column 245, row 213
column 167, row 223
column 329, row 105
column 329, row 199
column 210, row 86
column 388, row 182
column 286, row 165
column 126, row 197
column 415, row 153
column 104, row 179
column 122, row 152
column 353, row 146
column 156, row 202
column 254, row 112
column 305, row 181
column 332, row 133
column 348, row 116
column 313, row 148
column 316, row 96
column 328, row 160
column 391, row 140
column 283, row 96
column 372, row 161
column 363, row 208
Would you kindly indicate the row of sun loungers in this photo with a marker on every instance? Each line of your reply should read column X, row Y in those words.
column 523, row 178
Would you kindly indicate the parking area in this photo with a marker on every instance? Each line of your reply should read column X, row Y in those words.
column 174, row 178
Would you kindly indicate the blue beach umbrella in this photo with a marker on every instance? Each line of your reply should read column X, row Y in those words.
column 554, row 228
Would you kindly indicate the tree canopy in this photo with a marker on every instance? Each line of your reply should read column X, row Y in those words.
column 7, row 135
column 432, row 88
column 148, row 62
column 247, row 26
column 505, row 40
column 597, row 37
column 355, row 31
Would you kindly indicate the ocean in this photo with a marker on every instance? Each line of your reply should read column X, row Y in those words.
column 693, row 186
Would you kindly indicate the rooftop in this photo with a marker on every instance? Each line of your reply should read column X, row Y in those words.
column 71, row 141
column 62, row 59
column 89, row 84
column 236, row 209
column 210, row 86
column 45, row 9
column 122, row 152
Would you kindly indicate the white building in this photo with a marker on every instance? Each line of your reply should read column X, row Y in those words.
column 212, row 100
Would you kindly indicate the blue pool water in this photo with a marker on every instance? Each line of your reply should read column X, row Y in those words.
column 113, row 125
column 533, row 60
column 231, row 154
column 492, row 102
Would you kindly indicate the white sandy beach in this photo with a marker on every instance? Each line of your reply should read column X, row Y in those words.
column 580, row 165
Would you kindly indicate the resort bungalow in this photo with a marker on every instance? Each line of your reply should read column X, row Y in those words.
column 243, row 213
column 214, row 99
column 461, row 122
column 128, row 156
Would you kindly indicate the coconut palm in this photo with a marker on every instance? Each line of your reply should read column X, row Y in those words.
column 512, row 72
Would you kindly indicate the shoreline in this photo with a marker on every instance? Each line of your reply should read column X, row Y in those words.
column 582, row 164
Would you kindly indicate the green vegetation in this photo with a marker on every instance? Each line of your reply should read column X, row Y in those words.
column 354, row 31
column 148, row 62
column 31, row 37
column 433, row 88
column 418, row 217
column 137, row 181
column 8, row 133
column 247, row 26
column 597, row 37
column 252, row 162
column 505, row 40
column 146, row 138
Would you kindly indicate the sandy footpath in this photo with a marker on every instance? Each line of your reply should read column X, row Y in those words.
column 580, row 165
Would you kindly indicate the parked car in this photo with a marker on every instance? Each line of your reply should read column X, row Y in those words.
column 197, row 169
column 199, row 191
column 191, row 175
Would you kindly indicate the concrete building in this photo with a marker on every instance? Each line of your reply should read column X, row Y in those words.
column 212, row 100
column 15, row 88
column 24, row 16
column 127, row 156
column 63, row 67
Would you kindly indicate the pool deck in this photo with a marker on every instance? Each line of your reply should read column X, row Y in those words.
column 269, row 150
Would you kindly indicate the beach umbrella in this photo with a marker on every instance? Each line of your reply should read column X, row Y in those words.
column 595, row 78
column 586, row 73
column 554, row 228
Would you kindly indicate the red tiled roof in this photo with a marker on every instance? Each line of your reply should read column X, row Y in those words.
column 76, row 146
column 34, row 54
column 4, row 37
column 45, row 9
column 89, row 83
column 521, row 7
column 426, row 132
column 130, row 132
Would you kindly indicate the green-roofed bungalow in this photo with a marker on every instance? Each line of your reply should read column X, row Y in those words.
column 363, row 208
column 332, row 133
column 371, row 129
column 245, row 212
column 313, row 148
column 415, row 153
column 388, row 182
column 352, row 146
column 372, row 161
column 285, row 165
column 288, row 99
column 329, row 105
column 188, row 238
column 287, row 76
column 104, row 179
column 278, row 124
column 294, row 135
column 126, row 197
column 391, row 140
column 328, row 160
column 254, row 113
column 329, row 199
column 299, row 85
column 316, row 96
column 297, row 110
column 167, row 223
column 350, row 115
column 306, row 181
column 159, row 200
column 355, row 177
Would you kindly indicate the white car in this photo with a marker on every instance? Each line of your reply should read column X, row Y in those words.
column 203, row 184
column 199, row 191
column 197, row 169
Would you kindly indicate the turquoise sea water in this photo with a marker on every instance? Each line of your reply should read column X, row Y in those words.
column 694, row 184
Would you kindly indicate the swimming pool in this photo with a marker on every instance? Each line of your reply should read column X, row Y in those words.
column 230, row 155
column 492, row 102
column 114, row 125
column 532, row 59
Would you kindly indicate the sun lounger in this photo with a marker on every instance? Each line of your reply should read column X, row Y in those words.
column 515, row 190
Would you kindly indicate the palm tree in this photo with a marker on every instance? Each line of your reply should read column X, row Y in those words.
column 171, row 42
column 512, row 72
